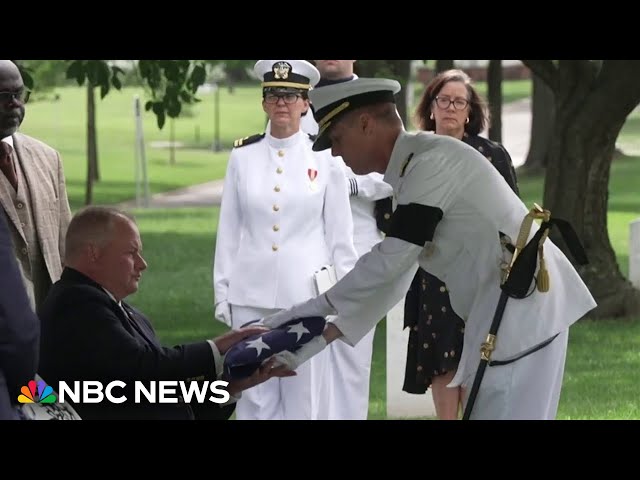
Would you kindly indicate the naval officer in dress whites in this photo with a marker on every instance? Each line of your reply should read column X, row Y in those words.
column 452, row 205
column 285, row 213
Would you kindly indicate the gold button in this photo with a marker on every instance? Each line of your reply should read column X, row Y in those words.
column 444, row 309
column 19, row 205
column 442, row 289
column 276, row 228
column 274, row 247
column 281, row 153
column 279, row 170
column 276, row 188
column 387, row 216
column 419, row 368
column 276, row 208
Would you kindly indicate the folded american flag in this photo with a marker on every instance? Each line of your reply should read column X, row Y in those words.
column 246, row 356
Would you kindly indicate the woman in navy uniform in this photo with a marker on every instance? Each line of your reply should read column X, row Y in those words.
column 449, row 106
column 285, row 213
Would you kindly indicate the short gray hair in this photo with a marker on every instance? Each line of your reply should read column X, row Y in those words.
column 92, row 225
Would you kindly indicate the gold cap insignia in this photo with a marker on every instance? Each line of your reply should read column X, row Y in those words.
column 281, row 70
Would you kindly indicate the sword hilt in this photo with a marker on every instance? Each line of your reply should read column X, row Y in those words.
column 488, row 346
column 536, row 213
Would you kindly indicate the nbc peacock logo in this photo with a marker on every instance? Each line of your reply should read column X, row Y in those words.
column 44, row 393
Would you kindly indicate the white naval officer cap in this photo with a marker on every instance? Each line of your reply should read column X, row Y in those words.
column 286, row 75
column 334, row 101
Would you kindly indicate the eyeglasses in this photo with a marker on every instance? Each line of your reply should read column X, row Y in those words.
column 22, row 95
column 458, row 103
column 287, row 97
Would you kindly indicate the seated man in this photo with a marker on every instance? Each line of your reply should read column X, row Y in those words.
column 90, row 333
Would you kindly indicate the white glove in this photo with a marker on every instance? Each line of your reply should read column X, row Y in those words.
column 223, row 313
column 315, row 307
column 293, row 360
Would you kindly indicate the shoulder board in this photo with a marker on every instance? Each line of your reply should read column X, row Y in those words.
column 312, row 137
column 243, row 142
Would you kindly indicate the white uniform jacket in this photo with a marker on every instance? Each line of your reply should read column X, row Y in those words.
column 284, row 214
column 465, row 253
column 364, row 190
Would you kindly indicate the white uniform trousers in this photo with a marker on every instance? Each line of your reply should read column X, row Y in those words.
column 527, row 389
column 350, row 373
column 303, row 397
column 350, row 368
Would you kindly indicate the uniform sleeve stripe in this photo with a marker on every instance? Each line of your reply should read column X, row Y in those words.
column 353, row 187
column 414, row 223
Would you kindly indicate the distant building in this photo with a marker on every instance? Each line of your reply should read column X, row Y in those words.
column 477, row 70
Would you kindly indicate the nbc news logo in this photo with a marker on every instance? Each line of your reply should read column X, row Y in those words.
column 36, row 392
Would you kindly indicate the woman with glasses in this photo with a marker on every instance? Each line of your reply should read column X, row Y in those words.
column 285, row 213
column 450, row 105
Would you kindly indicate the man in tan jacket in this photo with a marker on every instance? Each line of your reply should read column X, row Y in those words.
column 33, row 195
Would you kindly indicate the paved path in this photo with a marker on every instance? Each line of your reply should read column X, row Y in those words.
column 516, row 122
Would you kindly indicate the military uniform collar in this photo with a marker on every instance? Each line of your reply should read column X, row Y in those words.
column 399, row 155
column 288, row 142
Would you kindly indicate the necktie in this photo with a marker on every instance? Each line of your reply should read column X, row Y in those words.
column 7, row 166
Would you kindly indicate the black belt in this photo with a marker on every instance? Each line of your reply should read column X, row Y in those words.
column 497, row 363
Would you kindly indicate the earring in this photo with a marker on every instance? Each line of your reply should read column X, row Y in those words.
column 431, row 116
column 467, row 120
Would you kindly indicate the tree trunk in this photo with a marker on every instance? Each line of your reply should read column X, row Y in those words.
column 92, row 148
column 402, row 72
column 442, row 65
column 592, row 104
column 172, row 142
column 542, row 118
column 91, row 110
column 397, row 69
column 494, row 94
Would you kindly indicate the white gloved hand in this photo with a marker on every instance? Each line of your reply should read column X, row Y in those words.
column 293, row 360
column 315, row 307
column 223, row 313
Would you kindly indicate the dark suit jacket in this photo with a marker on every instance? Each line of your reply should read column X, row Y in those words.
column 19, row 329
column 87, row 336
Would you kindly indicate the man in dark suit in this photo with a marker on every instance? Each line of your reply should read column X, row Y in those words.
column 19, row 329
column 90, row 333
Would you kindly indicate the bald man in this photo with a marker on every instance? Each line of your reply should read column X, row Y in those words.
column 33, row 194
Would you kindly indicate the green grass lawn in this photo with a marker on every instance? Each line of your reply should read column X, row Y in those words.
column 62, row 124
